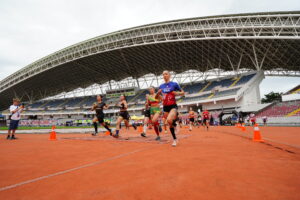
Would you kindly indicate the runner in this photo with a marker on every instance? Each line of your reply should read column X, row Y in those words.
column 147, row 117
column 199, row 120
column 180, row 120
column 205, row 117
column 252, row 119
column 123, row 115
column 99, row 106
column 191, row 118
column 154, row 104
column 169, row 90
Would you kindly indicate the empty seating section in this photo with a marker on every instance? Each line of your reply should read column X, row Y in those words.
column 89, row 101
column 221, row 83
column 195, row 88
column 36, row 104
column 244, row 79
column 55, row 103
column 295, row 90
column 281, row 109
column 74, row 102
column 226, row 93
column 216, row 95
column 197, row 98
column 139, row 98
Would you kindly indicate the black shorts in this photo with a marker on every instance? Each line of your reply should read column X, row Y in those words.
column 124, row 114
column 205, row 119
column 13, row 125
column 192, row 120
column 169, row 108
column 100, row 118
column 147, row 113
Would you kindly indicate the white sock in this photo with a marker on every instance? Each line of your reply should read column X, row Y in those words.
column 145, row 128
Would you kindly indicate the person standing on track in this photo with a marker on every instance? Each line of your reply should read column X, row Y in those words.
column 15, row 116
column 265, row 119
column 191, row 118
column 99, row 106
column 146, row 117
column 123, row 115
column 169, row 90
column 205, row 117
column 153, row 101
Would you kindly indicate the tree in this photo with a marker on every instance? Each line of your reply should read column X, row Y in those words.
column 272, row 97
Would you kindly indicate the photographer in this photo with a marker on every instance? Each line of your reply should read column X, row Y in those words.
column 15, row 115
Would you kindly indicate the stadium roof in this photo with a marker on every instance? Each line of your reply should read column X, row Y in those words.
column 255, row 41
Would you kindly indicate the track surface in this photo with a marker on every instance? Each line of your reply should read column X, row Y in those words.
column 222, row 163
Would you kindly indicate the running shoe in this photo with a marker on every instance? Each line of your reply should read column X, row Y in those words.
column 143, row 134
column 159, row 129
column 13, row 137
column 8, row 137
column 134, row 126
column 157, row 138
column 116, row 136
column 174, row 143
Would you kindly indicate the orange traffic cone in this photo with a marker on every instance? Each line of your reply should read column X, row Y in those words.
column 107, row 133
column 53, row 134
column 140, row 129
column 256, row 134
column 243, row 127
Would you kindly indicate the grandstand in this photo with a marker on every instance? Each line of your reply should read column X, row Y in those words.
column 219, row 61
column 288, row 108
column 195, row 93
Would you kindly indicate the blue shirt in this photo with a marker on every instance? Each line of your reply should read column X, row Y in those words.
column 167, row 91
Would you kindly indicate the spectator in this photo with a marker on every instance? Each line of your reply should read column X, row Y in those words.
column 15, row 116
column 265, row 119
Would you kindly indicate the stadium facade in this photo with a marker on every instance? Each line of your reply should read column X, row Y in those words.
column 220, row 60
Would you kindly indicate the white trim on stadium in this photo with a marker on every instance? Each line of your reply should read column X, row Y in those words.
column 257, row 41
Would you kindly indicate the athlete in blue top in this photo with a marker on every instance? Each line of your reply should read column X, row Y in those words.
column 169, row 90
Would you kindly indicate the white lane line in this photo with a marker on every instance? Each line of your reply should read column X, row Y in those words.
column 70, row 170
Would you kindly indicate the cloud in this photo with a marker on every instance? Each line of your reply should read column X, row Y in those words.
column 32, row 29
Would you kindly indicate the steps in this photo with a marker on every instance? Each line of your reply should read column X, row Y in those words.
column 235, row 82
column 208, row 84
column 80, row 103
column 293, row 112
column 210, row 96
column 136, row 96
column 43, row 105
column 296, row 91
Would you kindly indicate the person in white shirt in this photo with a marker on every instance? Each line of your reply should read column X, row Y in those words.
column 15, row 116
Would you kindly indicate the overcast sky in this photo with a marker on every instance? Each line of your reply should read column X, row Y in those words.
column 32, row 29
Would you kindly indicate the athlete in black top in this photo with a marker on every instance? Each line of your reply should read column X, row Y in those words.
column 99, row 106
column 123, row 114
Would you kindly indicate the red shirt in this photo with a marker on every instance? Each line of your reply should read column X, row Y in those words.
column 205, row 114
column 167, row 91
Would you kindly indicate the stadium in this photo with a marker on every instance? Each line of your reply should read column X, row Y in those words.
column 219, row 62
